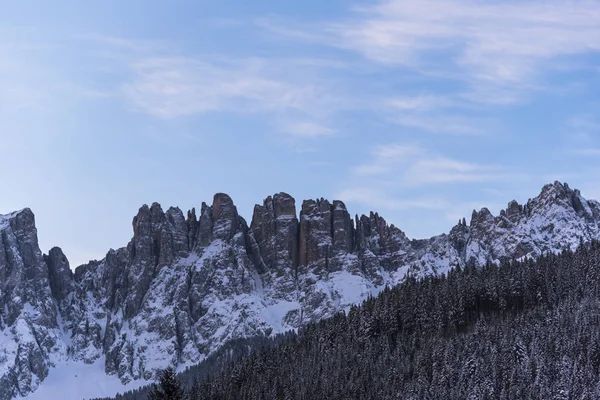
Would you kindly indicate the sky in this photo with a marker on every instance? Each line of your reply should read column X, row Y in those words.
column 421, row 110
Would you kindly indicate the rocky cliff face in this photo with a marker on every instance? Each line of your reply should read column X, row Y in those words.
column 185, row 285
column 29, row 320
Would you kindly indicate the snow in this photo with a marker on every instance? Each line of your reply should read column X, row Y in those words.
column 8, row 350
column 213, row 250
column 286, row 217
column 5, row 219
column 3, row 222
column 351, row 289
column 274, row 314
column 76, row 381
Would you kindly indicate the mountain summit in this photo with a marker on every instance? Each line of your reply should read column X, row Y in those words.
column 184, row 285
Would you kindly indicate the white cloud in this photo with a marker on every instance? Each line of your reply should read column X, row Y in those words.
column 439, row 169
column 418, row 103
column 435, row 114
column 497, row 42
column 396, row 151
column 498, row 48
column 306, row 129
column 410, row 165
column 439, row 113
column 165, row 83
column 501, row 50
column 454, row 125
column 312, row 34
column 170, row 87
column 378, row 199
column 406, row 179
column 467, row 56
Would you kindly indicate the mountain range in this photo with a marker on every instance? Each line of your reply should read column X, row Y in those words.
column 186, row 284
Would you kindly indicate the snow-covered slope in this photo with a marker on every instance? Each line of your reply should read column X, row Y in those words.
column 184, row 286
column 71, row 380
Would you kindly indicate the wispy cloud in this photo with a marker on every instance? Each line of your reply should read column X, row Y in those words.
column 500, row 49
column 423, row 102
column 594, row 152
column 412, row 165
column 306, row 129
column 169, row 87
column 168, row 84
column 407, row 179
column 379, row 199
column 297, row 31
column 435, row 114
column 451, row 124
column 469, row 60
column 493, row 41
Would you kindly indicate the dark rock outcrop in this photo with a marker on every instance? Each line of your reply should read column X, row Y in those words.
column 275, row 228
column 60, row 274
column 28, row 314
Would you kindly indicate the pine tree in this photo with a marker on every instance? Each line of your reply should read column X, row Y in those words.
column 168, row 387
column 193, row 393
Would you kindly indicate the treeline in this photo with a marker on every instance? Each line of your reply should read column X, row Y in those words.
column 522, row 330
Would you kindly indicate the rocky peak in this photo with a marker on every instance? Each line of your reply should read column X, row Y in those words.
column 27, row 307
column 157, row 213
column 459, row 237
column 21, row 253
column 560, row 198
column 283, row 205
column 373, row 233
column 554, row 194
column 316, row 227
column 22, row 221
column 224, row 216
column 204, row 227
column 511, row 215
column 146, row 228
column 22, row 226
column 274, row 226
column 192, row 225
column 174, row 239
column 60, row 274
column 159, row 238
column 481, row 219
column 343, row 228
column 514, row 211
column 588, row 209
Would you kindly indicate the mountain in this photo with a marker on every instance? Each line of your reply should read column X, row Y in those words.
column 185, row 285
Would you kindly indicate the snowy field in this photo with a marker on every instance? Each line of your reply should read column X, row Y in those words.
column 77, row 381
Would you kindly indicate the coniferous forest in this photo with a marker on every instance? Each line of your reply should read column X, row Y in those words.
column 521, row 330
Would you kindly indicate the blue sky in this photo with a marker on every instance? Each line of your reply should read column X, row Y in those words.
column 422, row 110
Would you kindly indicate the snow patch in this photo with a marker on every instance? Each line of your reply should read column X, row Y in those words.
column 274, row 315
column 76, row 381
